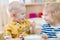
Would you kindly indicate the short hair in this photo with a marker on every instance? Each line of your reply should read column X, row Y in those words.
column 54, row 9
column 16, row 6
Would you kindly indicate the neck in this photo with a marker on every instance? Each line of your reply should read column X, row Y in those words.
column 55, row 24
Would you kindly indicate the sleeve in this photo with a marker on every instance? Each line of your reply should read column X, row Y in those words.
column 7, row 30
column 42, row 30
column 32, row 26
column 57, row 30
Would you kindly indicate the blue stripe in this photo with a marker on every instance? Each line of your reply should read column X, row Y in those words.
column 46, row 25
column 57, row 30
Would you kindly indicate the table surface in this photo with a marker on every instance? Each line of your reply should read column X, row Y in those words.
column 27, row 37
column 14, row 39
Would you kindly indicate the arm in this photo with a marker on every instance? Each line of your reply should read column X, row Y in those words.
column 32, row 30
column 43, row 34
column 7, row 31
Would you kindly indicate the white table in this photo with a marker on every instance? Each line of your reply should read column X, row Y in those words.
column 30, row 37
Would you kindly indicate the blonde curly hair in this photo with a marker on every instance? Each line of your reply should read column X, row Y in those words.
column 16, row 6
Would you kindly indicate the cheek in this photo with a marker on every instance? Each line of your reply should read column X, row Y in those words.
column 17, row 17
column 46, row 19
column 22, row 16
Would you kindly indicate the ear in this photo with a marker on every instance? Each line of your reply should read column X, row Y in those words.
column 13, row 15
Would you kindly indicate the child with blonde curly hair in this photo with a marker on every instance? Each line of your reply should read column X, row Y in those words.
column 19, row 25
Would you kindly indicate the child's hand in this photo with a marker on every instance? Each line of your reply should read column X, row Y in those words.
column 44, row 36
column 32, row 24
column 33, row 27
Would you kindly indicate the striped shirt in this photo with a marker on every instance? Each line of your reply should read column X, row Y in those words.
column 50, row 31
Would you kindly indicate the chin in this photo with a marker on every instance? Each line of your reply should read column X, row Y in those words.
column 21, row 20
column 48, row 22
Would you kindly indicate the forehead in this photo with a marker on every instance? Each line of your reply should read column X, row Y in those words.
column 19, row 11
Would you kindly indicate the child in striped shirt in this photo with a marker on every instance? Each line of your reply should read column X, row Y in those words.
column 52, row 17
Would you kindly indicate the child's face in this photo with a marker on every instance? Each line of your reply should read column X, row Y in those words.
column 48, row 17
column 20, row 16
